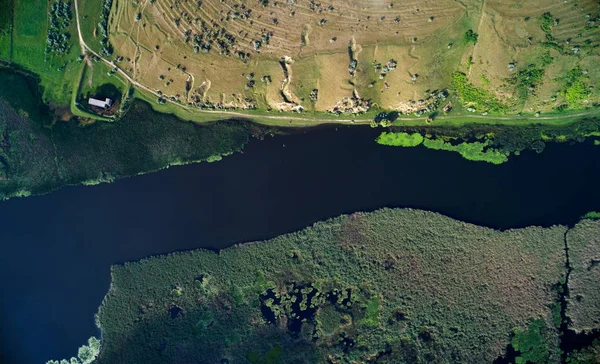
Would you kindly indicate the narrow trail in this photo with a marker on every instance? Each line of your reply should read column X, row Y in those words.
column 85, row 49
column 481, row 18
column 81, row 42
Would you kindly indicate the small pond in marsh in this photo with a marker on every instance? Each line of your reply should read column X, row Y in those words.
column 58, row 248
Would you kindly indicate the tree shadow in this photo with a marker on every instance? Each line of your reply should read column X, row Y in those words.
column 185, row 340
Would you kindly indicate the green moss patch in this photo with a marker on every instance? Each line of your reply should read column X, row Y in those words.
column 400, row 139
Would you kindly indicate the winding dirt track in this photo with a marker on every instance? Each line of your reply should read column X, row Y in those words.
column 85, row 50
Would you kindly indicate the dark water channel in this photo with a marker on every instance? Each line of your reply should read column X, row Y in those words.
column 58, row 248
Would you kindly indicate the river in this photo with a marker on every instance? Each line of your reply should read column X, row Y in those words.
column 58, row 248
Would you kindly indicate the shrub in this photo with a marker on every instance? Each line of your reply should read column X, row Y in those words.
column 546, row 21
column 576, row 93
column 476, row 151
column 483, row 100
column 470, row 37
column 531, row 344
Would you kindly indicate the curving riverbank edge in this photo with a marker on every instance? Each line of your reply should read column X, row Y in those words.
column 366, row 254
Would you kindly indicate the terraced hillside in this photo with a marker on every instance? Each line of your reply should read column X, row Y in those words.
column 349, row 56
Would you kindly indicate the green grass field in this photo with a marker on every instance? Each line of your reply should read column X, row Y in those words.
column 30, row 26
column 6, row 29
column 90, row 12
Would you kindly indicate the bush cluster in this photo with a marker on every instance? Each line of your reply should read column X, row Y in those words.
column 107, row 48
column 575, row 90
column 470, row 37
column 481, row 99
column 59, row 19
column 475, row 151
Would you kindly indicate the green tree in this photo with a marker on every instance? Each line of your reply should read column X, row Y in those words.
column 470, row 36
column 531, row 344
column 86, row 354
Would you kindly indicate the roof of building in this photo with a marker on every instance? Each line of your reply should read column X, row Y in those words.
column 99, row 103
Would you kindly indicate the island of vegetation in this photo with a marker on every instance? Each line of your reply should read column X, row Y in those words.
column 391, row 286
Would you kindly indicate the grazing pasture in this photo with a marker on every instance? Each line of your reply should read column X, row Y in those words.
column 329, row 56
column 25, row 46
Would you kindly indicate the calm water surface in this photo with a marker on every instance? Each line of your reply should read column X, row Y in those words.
column 58, row 248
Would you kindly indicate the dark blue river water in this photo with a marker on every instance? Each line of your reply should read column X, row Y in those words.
column 58, row 248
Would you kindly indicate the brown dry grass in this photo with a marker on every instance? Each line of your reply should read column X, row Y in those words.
column 417, row 44
column 318, row 64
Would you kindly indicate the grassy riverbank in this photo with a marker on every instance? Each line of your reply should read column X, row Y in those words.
column 393, row 285
column 492, row 143
column 36, row 157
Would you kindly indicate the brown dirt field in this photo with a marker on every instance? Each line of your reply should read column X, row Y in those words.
column 166, row 23
column 316, row 35
column 503, row 35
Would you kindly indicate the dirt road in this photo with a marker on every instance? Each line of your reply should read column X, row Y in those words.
column 85, row 50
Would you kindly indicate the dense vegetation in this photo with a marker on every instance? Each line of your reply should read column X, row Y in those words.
column 479, row 99
column 36, row 157
column 85, row 355
column 511, row 139
column 588, row 355
column 390, row 286
column 527, row 80
column 475, row 151
column 491, row 143
column 107, row 48
column 546, row 22
column 584, row 279
column 534, row 344
column 400, row 139
column 575, row 88
column 592, row 215
column 59, row 19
